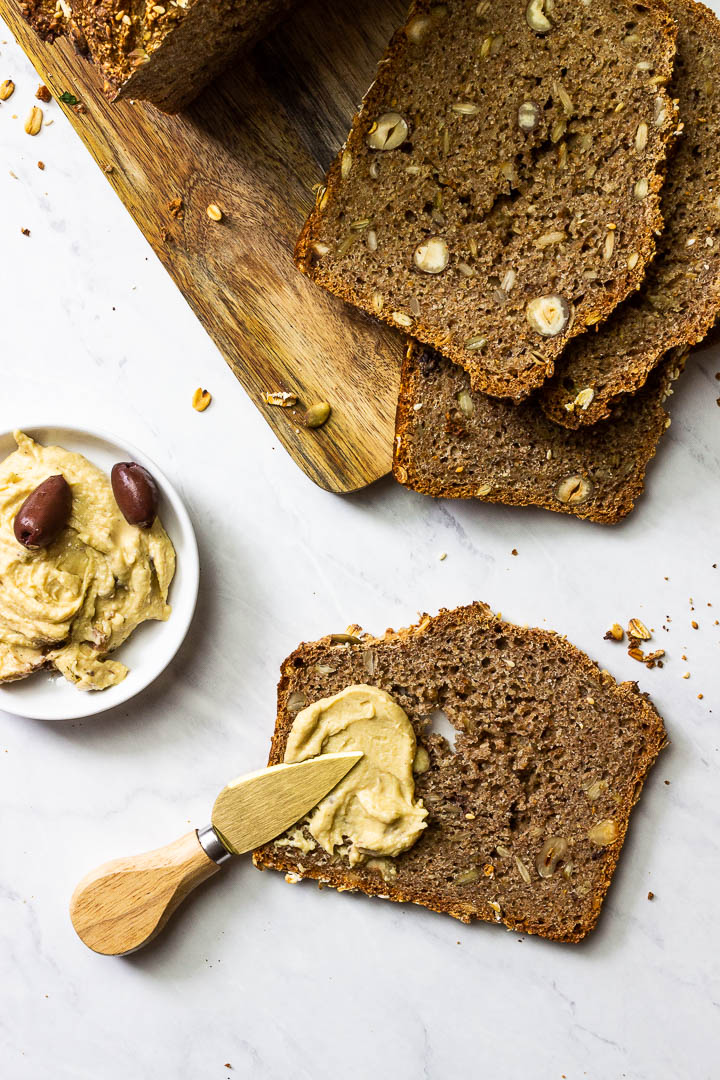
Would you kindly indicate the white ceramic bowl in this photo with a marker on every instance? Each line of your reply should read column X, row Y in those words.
column 147, row 652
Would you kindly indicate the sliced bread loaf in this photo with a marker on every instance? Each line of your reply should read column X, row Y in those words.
column 502, row 171
column 680, row 298
column 164, row 53
column 528, row 813
column 453, row 442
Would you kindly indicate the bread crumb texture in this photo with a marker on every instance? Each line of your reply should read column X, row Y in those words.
column 528, row 811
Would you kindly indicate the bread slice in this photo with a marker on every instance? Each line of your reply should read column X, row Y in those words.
column 680, row 297
column 453, row 442
column 163, row 53
column 498, row 178
column 528, row 814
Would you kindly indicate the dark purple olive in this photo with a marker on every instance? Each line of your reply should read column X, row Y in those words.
column 44, row 514
column 135, row 492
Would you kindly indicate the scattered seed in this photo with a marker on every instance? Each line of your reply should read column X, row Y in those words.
column 317, row 414
column 639, row 630
column 615, row 633
column 34, row 121
column 201, row 399
column 43, row 94
column 7, row 89
column 214, row 212
column 283, row 398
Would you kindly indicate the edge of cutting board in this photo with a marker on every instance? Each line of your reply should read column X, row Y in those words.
column 255, row 143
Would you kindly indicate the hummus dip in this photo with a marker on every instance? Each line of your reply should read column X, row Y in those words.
column 373, row 809
column 70, row 604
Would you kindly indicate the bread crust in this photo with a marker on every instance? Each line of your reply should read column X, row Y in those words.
column 538, row 365
column 622, row 356
column 627, row 699
column 592, row 454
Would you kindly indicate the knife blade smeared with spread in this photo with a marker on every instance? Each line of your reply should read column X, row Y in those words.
column 123, row 904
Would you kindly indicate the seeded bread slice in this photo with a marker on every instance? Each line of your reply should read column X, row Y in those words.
column 680, row 297
column 502, row 168
column 453, row 442
column 528, row 815
column 166, row 52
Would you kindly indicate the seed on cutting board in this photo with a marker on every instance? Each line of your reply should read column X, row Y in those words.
column 44, row 514
column 34, row 121
column 283, row 398
column 7, row 88
column 136, row 493
column 317, row 414
column 214, row 212
column 201, row 399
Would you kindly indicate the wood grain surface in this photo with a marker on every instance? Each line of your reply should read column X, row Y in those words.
column 255, row 143
column 125, row 903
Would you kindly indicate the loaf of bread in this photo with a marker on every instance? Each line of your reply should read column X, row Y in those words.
column 679, row 299
column 454, row 442
column 165, row 53
column 528, row 812
column 499, row 189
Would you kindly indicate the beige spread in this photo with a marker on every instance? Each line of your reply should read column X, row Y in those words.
column 72, row 603
column 374, row 807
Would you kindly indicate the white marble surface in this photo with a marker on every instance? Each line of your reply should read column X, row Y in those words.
column 285, row 981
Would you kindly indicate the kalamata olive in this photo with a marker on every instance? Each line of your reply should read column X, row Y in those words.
column 135, row 492
column 44, row 514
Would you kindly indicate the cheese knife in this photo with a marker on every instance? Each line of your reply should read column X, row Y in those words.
column 120, row 906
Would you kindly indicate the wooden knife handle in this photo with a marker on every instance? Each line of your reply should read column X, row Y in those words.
column 123, row 904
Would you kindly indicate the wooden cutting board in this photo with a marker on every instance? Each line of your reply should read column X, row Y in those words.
column 255, row 143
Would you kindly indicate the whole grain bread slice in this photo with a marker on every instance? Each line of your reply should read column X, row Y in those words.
column 528, row 812
column 453, row 442
column 163, row 53
column 503, row 168
column 679, row 299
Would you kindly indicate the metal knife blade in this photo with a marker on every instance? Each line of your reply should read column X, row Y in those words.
column 261, row 805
